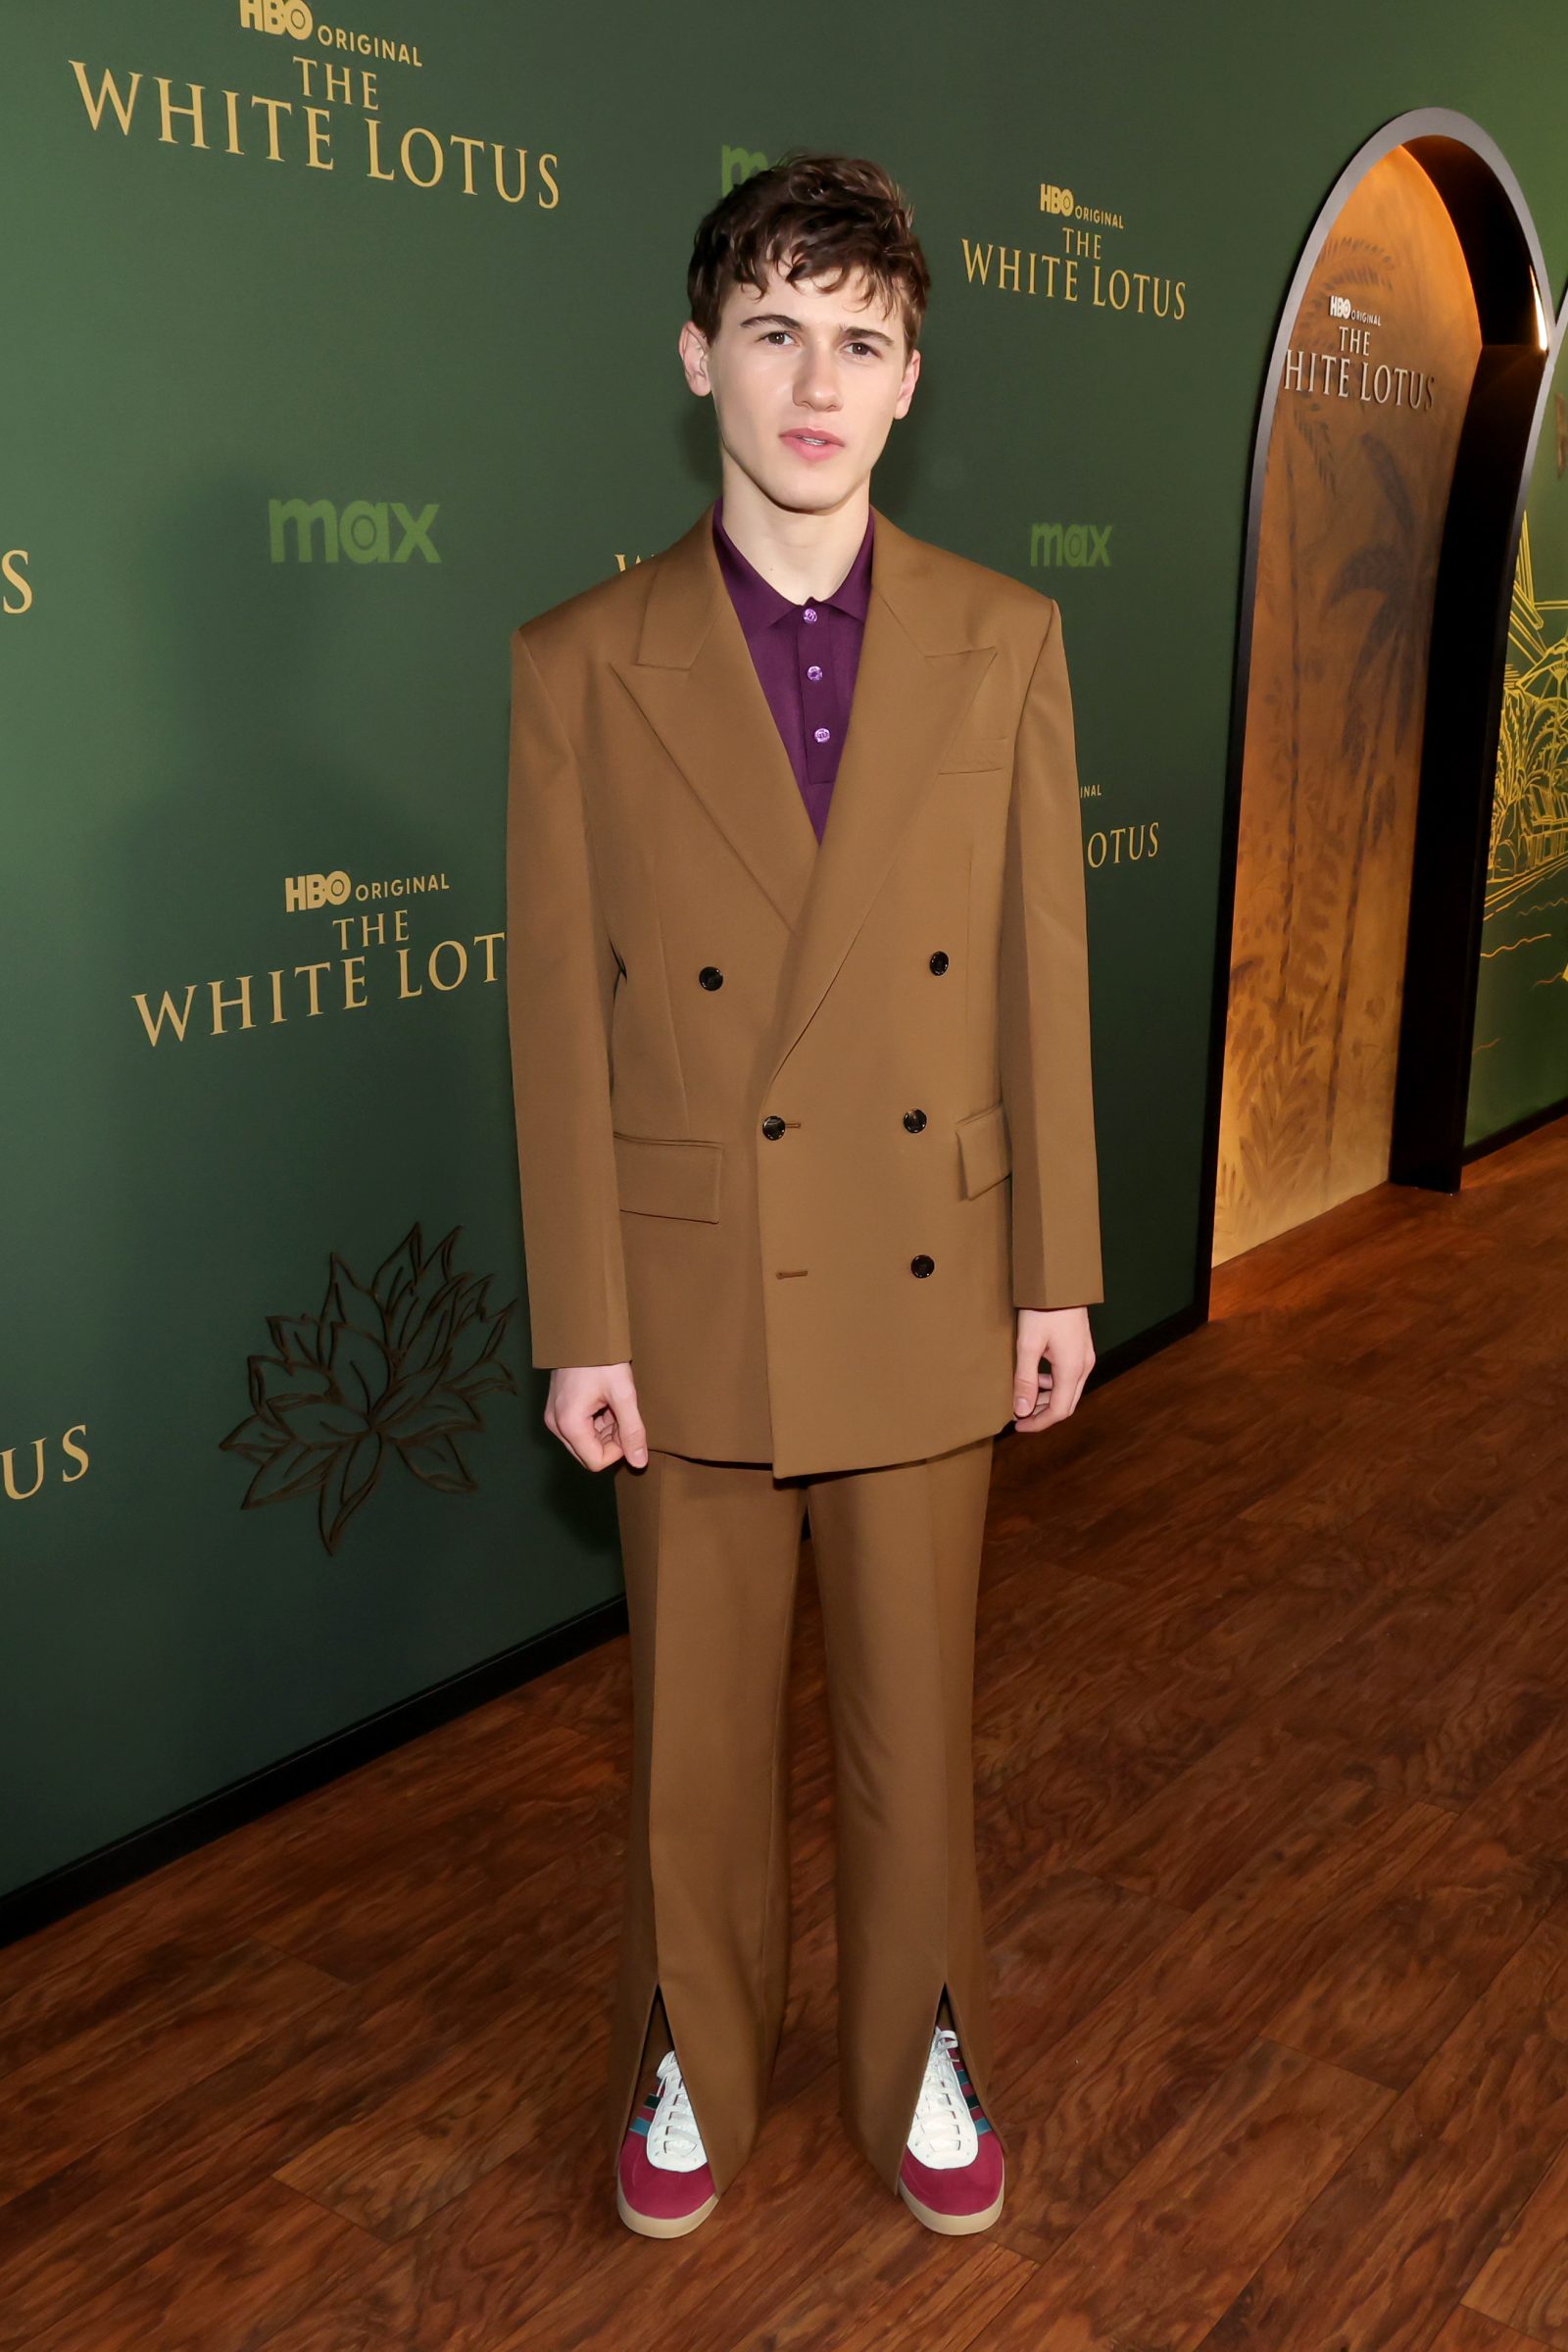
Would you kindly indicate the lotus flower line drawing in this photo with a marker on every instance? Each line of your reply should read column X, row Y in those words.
column 398, row 1366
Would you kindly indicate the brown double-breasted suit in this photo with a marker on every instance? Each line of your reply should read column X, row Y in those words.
column 798, row 1128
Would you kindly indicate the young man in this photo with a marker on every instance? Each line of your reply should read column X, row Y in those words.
column 799, row 1030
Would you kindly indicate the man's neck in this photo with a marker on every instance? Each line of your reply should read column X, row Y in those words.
column 801, row 554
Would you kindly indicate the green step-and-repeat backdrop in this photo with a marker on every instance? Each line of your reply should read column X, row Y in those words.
column 332, row 349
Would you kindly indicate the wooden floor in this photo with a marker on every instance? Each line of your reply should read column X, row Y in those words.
column 1272, row 1754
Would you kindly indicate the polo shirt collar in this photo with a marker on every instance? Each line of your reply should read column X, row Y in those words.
column 760, row 603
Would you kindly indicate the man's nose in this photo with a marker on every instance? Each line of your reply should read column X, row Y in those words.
column 817, row 383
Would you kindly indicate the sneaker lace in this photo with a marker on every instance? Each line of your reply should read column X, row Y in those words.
column 938, row 2134
column 673, row 2136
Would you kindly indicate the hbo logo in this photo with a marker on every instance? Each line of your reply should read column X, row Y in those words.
column 1054, row 199
column 303, row 893
column 277, row 15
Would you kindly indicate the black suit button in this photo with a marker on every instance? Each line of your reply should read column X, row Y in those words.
column 914, row 1120
column 922, row 1265
column 709, row 976
column 939, row 961
column 772, row 1127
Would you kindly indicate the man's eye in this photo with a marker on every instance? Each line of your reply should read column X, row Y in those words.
column 856, row 345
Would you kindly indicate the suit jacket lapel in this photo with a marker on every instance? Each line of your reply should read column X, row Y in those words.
column 695, row 681
column 697, row 685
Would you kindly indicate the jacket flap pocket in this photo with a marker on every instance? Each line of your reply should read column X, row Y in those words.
column 985, row 1149
column 976, row 750
column 668, row 1176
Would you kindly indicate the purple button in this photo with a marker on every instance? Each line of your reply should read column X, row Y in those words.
column 823, row 733
column 811, row 613
column 815, row 671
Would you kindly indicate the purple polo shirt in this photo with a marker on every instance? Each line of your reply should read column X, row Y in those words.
column 806, row 656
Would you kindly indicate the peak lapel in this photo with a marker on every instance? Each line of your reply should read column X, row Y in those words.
column 697, row 685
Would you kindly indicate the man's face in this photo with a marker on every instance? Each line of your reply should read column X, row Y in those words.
column 806, row 384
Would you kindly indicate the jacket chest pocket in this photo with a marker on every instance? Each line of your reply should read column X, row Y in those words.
column 668, row 1176
column 985, row 1149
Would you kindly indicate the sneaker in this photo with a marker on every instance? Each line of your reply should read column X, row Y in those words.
column 663, row 2186
column 953, row 2170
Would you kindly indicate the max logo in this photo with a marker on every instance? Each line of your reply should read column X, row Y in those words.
column 361, row 531
column 1078, row 545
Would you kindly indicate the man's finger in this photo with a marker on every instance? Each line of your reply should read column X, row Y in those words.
column 581, row 1438
column 1059, row 1397
column 634, row 1443
column 623, row 1395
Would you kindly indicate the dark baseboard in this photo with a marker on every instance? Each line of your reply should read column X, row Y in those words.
column 1144, row 1344
column 1511, row 1133
column 112, row 1867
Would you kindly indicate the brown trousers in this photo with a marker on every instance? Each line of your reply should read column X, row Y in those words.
column 711, row 1552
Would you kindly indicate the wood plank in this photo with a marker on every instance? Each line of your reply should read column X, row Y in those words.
column 1168, row 2250
column 1393, row 2241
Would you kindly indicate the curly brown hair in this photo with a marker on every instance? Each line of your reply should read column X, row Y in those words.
column 815, row 213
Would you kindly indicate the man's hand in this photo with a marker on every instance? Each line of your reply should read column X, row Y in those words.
column 1061, row 1334
column 592, row 1408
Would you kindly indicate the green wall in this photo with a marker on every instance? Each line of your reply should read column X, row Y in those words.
column 1519, row 1053
column 193, row 717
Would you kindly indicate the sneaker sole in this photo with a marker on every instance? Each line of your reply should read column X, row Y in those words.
column 954, row 2225
column 654, row 2225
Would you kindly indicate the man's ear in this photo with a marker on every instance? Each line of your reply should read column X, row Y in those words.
column 911, row 376
column 692, row 344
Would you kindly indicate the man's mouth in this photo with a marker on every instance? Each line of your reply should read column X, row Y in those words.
column 817, row 442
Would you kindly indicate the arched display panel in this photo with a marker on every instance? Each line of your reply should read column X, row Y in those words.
column 1394, row 413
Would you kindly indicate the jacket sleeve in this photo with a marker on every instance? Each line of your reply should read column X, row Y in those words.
column 561, row 984
column 1043, row 1010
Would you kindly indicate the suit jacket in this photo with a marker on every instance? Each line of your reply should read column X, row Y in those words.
column 799, row 1127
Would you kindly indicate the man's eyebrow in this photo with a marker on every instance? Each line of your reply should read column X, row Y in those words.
column 783, row 318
